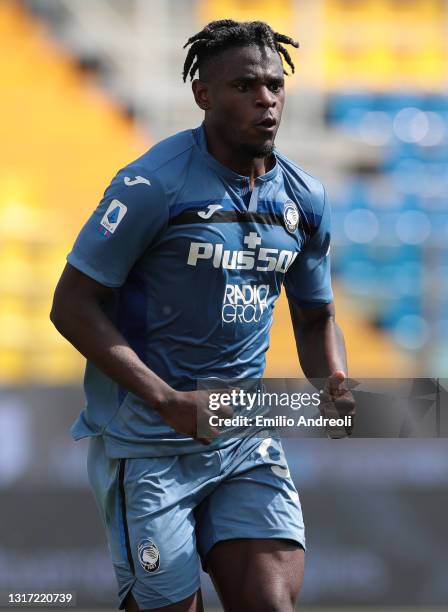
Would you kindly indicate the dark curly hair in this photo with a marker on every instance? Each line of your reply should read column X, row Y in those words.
column 226, row 33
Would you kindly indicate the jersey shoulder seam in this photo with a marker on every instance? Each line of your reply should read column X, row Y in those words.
column 171, row 158
column 293, row 163
column 167, row 161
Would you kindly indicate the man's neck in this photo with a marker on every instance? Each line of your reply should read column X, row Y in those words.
column 237, row 160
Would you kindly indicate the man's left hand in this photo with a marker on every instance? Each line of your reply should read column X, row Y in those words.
column 337, row 402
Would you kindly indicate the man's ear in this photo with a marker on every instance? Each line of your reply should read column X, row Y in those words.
column 201, row 94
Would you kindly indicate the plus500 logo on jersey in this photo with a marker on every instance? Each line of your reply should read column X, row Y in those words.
column 244, row 303
column 266, row 260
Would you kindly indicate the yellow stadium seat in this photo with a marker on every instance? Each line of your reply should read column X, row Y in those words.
column 15, row 329
column 385, row 44
column 278, row 13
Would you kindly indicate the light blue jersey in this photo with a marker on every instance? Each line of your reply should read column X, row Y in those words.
column 197, row 261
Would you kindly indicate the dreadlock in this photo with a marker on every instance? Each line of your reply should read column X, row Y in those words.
column 226, row 33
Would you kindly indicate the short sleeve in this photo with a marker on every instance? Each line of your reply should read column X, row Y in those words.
column 132, row 213
column 308, row 281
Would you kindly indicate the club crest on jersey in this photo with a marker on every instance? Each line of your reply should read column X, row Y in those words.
column 291, row 216
column 149, row 555
column 113, row 216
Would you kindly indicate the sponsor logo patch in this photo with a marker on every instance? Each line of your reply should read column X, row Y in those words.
column 149, row 555
column 255, row 258
column 211, row 209
column 291, row 216
column 138, row 180
column 113, row 216
column 244, row 303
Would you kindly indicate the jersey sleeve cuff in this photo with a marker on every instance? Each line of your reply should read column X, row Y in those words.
column 310, row 304
column 83, row 266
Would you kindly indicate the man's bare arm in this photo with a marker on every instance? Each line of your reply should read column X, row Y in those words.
column 78, row 314
column 319, row 340
column 322, row 355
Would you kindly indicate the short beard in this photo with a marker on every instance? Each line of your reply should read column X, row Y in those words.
column 259, row 152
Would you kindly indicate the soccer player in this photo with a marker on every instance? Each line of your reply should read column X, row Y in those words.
column 172, row 280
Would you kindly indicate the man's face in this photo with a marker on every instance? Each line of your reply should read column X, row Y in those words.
column 243, row 95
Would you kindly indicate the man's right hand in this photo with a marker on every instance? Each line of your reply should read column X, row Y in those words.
column 187, row 412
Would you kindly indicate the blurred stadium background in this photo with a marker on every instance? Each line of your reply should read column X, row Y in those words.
column 88, row 86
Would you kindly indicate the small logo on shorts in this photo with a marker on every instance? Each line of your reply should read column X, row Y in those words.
column 291, row 216
column 149, row 555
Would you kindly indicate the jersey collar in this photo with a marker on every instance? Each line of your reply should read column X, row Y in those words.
column 224, row 171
